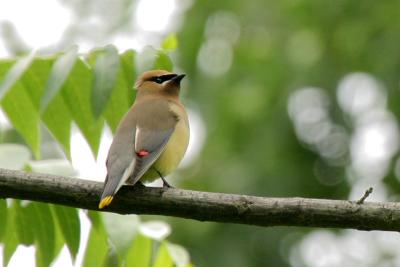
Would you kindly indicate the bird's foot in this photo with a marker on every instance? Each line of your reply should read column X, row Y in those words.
column 165, row 183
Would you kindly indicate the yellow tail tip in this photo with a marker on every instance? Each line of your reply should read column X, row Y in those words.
column 105, row 201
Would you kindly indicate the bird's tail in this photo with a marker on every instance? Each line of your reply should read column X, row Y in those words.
column 105, row 201
column 110, row 188
column 113, row 183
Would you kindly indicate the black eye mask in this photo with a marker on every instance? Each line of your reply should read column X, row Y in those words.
column 162, row 78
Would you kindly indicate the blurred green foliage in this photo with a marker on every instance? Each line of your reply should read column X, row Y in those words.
column 243, row 60
column 251, row 147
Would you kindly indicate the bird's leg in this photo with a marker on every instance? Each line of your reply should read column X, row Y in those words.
column 165, row 183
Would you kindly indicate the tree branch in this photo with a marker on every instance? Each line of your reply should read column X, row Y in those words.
column 203, row 206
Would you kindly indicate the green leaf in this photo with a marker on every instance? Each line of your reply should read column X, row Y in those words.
column 105, row 76
column 170, row 43
column 59, row 240
column 45, row 234
column 56, row 117
column 3, row 218
column 24, row 219
column 123, row 94
column 112, row 259
column 96, row 220
column 10, row 237
column 15, row 73
column 140, row 253
column 20, row 110
column 117, row 106
column 35, row 78
column 22, row 101
column 163, row 62
column 5, row 66
column 76, row 94
column 69, row 224
column 163, row 259
column 96, row 249
column 128, row 67
column 54, row 110
column 59, row 73
column 121, row 230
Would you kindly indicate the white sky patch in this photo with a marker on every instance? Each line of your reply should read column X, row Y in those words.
column 42, row 24
column 197, row 137
column 39, row 23
column 125, row 42
column 3, row 50
column 4, row 122
column 82, row 157
column 22, row 257
column 154, row 15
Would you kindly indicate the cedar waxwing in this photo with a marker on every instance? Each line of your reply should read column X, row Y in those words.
column 152, row 137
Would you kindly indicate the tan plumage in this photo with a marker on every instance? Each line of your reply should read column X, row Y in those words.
column 152, row 137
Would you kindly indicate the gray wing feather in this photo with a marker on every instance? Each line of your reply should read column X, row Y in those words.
column 154, row 142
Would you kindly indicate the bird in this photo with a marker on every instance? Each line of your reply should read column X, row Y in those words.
column 152, row 137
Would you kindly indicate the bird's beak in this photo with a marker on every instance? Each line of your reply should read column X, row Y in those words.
column 177, row 79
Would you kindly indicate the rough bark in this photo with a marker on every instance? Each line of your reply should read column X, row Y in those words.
column 203, row 206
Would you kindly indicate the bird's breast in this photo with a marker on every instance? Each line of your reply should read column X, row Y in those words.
column 174, row 149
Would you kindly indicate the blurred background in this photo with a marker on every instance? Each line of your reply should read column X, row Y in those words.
column 287, row 98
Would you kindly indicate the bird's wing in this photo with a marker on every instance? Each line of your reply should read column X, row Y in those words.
column 149, row 144
column 136, row 146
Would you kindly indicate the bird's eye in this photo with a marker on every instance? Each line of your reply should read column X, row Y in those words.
column 158, row 80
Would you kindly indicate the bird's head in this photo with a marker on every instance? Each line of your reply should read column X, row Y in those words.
column 159, row 81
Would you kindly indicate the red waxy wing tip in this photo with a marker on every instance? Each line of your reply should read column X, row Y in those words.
column 142, row 153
